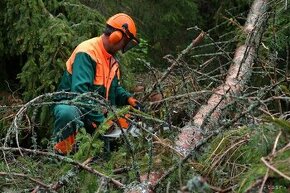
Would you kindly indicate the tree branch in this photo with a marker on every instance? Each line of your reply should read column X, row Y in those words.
column 67, row 160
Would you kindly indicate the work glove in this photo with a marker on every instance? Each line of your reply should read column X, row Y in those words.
column 135, row 104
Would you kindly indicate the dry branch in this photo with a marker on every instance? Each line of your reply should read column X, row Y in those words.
column 267, row 172
column 275, row 169
column 195, row 42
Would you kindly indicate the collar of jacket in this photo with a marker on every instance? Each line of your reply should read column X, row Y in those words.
column 100, row 43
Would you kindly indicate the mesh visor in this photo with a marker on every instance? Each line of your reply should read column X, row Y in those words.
column 131, row 44
column 133, row 41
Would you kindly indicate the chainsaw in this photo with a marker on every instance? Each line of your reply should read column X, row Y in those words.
column 124, row 126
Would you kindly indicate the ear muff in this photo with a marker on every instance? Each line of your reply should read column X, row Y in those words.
column 115, row 37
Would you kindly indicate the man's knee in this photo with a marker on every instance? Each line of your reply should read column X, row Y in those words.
column 66, row 113
column 67, row 121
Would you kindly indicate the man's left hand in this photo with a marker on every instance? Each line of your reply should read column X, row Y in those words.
column 135, row 103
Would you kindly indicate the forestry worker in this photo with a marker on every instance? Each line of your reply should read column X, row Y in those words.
column 92, row 67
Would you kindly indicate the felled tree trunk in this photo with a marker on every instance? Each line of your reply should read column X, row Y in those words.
column 237, row 76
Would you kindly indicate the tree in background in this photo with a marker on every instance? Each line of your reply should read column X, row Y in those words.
column 251, row 151
column 163, row 23
column 37, row 37
column 41, row 35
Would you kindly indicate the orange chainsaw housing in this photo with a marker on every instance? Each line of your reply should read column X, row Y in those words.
column 122, row 122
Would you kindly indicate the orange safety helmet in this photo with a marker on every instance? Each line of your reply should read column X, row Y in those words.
column 123, row 24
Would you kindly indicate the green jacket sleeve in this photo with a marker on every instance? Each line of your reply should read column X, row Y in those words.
column 122, row 96
column 82, row 81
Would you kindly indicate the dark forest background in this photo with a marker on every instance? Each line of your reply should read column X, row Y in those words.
column 245, row 150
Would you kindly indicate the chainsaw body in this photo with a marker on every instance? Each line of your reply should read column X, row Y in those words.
column 122, row 125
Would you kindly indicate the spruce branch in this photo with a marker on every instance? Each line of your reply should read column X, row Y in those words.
column 57, row 185
column 40, row 183
column 66, row 160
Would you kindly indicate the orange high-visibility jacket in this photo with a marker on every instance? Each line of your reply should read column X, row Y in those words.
column 91, row 68
column 106, row 66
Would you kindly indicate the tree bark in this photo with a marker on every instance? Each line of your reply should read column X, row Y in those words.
column 237, row 76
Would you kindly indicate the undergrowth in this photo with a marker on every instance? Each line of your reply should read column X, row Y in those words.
column 230, row 160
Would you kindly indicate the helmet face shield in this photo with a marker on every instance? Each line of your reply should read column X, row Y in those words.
column 131, row 44
column 133, row 41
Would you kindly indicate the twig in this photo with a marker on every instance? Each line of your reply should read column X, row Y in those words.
column 259, row 181
column 168, row 146
column 150, row 154
column 121, row 170
column 147, row 117
column 274, row 169
column 283, row 149
column 210, row 54
column 159, row 88
column 35, row 190
column 14, row 126
column 25, row 176
column 267, row 172
column 101, row 186
column 195, row 42
column 57, row 185
column 220, row 48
